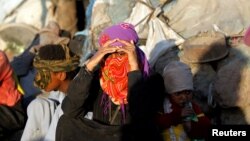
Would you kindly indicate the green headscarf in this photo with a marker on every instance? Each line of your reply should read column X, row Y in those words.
column 44, row 67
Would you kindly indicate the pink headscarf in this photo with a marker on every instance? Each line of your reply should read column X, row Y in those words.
column 9, row 94
column 126, row 32
column 114, row 80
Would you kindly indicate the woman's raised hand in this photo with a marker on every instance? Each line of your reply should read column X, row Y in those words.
column 98, row 56
column 130, row 49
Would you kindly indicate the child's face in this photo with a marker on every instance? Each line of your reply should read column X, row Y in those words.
column 54, row 83
column 181, row 97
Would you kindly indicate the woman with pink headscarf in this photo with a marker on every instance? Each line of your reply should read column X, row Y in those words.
column 104, row 86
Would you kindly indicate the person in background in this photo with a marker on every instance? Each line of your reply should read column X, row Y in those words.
column 23, row 63
column 41, row 122
column 181, row 118
column 103, row 86
column 12, row 112
column 56, row 66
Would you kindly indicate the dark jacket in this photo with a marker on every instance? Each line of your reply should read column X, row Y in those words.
column 85, row 94
column 145, row 101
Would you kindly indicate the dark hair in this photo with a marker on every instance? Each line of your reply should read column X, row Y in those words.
column 56, row 52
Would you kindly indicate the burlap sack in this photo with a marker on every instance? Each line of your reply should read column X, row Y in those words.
column 233, row 78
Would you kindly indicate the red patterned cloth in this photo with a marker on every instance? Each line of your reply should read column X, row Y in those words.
column 9, row 94
column 114, row 80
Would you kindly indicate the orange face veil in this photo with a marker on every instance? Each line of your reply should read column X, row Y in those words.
column 114, row 79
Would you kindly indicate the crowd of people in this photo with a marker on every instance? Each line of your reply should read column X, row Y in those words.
column 48, row 94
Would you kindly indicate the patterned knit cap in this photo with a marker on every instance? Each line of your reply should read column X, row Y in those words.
column 177, row 77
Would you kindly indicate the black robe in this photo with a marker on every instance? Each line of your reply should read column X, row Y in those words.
column 84, row 94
